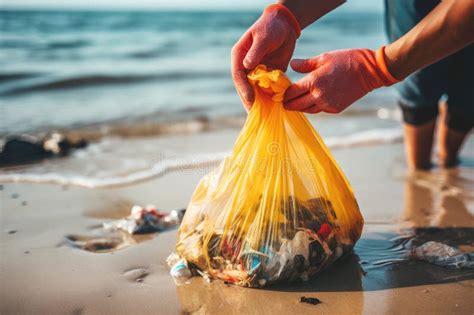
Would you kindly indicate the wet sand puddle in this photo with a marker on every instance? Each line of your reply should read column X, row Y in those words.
column 385, row 249
column 103, row 241
column 381, row 261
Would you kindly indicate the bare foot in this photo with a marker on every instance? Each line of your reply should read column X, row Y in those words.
column 418, row 144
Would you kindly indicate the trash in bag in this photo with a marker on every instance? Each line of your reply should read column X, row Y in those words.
column 279, row 208
column 145, row 220
column 179, row 268
column 443, row 255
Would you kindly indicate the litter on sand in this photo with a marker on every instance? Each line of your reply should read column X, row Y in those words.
column 310, row 300
column 179, row 269
column 146, row 220
column 443, row 255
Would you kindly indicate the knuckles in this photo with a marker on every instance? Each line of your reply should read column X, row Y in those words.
column 323, row 58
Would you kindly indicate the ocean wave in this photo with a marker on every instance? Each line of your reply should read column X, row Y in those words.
column 6, row 77
column 67, row 44
column 171, row 47
column 159, row 169
column 366, row 137
column 102, row 80
column 165, row 166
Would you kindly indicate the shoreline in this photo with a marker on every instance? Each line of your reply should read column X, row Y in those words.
column 152, row 126
column 116, row 160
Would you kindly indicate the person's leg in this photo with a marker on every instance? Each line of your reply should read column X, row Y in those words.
column 457, row 116
column 419, row 93
column 418, row 141
column 450, row 140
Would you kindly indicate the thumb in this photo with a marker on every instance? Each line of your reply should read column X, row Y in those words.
column 255, row 54
column 303, row 65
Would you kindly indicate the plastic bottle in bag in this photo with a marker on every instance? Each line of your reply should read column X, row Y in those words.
column 179, row 269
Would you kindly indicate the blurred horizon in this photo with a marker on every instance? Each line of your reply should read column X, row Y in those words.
column 180, row 5
column 133, row 5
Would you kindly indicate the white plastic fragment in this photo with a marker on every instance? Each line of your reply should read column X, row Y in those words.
column 443, row 255
column 144, row 220
column 179, row 268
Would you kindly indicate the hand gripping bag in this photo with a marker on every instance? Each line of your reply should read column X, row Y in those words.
column 279, row 208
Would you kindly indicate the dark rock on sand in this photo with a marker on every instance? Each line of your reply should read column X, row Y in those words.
column 21, row 149
column 310, row 300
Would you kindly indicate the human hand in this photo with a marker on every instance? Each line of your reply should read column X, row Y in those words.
column 270, row 41
column 336, row 79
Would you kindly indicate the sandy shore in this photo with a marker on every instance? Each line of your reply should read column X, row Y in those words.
column 42, row 271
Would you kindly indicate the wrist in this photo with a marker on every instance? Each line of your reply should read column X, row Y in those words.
column 385, row 65
column 393, row 63
column 308, row 11
column 288, row 14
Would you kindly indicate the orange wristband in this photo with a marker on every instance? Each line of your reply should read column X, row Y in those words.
column 380, row 59
column 291, row 17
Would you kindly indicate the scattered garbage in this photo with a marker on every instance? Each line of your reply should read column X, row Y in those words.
column 278, row 208
column 307, row 250
column 310, row 300
column 443, row 255
column 145, row 220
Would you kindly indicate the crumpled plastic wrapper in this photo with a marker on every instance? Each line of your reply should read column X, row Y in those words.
column 443, row 255
column 145, row 220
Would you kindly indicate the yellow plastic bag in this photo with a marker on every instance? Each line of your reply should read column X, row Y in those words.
column 279, row 208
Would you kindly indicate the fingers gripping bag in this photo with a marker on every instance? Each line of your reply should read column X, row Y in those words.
column 279, row 208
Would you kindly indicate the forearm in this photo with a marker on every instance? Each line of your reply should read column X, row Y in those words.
column 308, row 11
column 447, row 29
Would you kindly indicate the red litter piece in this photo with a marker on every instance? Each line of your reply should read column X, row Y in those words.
column 324, row 231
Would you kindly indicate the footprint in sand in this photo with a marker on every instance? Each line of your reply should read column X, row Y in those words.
column 103, row 241
column 136, row 274
column 98, row 243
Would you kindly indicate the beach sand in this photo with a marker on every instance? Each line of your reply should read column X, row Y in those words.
column 45, row 271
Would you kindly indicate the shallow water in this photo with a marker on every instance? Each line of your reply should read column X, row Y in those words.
column 380, row 261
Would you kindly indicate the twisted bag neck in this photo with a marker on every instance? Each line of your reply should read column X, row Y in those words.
column 268, row 84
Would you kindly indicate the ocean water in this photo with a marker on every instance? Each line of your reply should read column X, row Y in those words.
column 67, row 69
column 114, row 72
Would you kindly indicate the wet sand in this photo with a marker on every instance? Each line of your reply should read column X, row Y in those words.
column 44, row 270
